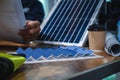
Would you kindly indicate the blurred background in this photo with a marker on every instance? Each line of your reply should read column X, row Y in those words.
column 48, row 4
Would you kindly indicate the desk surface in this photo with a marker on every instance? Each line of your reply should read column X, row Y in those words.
column 59, row 70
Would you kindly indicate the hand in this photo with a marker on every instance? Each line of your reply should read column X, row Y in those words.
column 31, row 31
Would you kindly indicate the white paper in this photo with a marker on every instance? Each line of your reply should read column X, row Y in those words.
column 11, row 20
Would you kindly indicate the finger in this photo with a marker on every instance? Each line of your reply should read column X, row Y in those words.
column 29, row 37
column 34, row 31
column 33, row 24
column 23, row 32
column 29, row 34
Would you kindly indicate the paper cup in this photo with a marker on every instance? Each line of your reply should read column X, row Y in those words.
column 96, row 40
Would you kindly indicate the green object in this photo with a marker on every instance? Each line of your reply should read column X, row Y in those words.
column 112, row 77
column 17, row 60
column 9, row 63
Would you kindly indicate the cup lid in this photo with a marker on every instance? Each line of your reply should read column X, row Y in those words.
column 96, row 27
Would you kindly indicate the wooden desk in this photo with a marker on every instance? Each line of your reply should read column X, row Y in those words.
column 60, row 70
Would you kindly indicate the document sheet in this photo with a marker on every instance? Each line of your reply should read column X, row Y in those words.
column 11, row 20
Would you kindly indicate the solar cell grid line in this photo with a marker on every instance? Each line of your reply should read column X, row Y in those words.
column 66, row 13
column 52, row 30
column 71, row 21
column 54, row 16
column 56, row 19
column 86, row 22
column 66, row 21
column 84, row 16
column 90, row 16
column 73, row 26
column 80, row 22
column 58, row 24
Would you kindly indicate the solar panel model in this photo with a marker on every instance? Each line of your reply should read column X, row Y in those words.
column 68, row 21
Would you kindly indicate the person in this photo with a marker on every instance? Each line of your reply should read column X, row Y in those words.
column 34, row 14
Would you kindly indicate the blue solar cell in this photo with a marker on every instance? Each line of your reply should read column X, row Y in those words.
column 70, row 47
column 65, row 52
column 84, row 52
column 78, row 50
column 38, row 52
column 20, row 50
column 48, row 53
column 89, row 52
column 56, row 52
column 28, row 52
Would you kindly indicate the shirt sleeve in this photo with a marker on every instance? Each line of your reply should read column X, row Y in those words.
column 36, row 11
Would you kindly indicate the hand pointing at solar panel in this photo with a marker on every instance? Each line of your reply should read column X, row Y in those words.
column 34, row 14
column 31, row 31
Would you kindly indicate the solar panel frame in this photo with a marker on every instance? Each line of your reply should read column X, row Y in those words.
column 85, row 32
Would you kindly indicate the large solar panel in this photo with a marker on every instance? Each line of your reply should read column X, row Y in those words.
column 68, row 22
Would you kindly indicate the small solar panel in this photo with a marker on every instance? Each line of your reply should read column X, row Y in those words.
column 68, row 22
column 60, row 53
